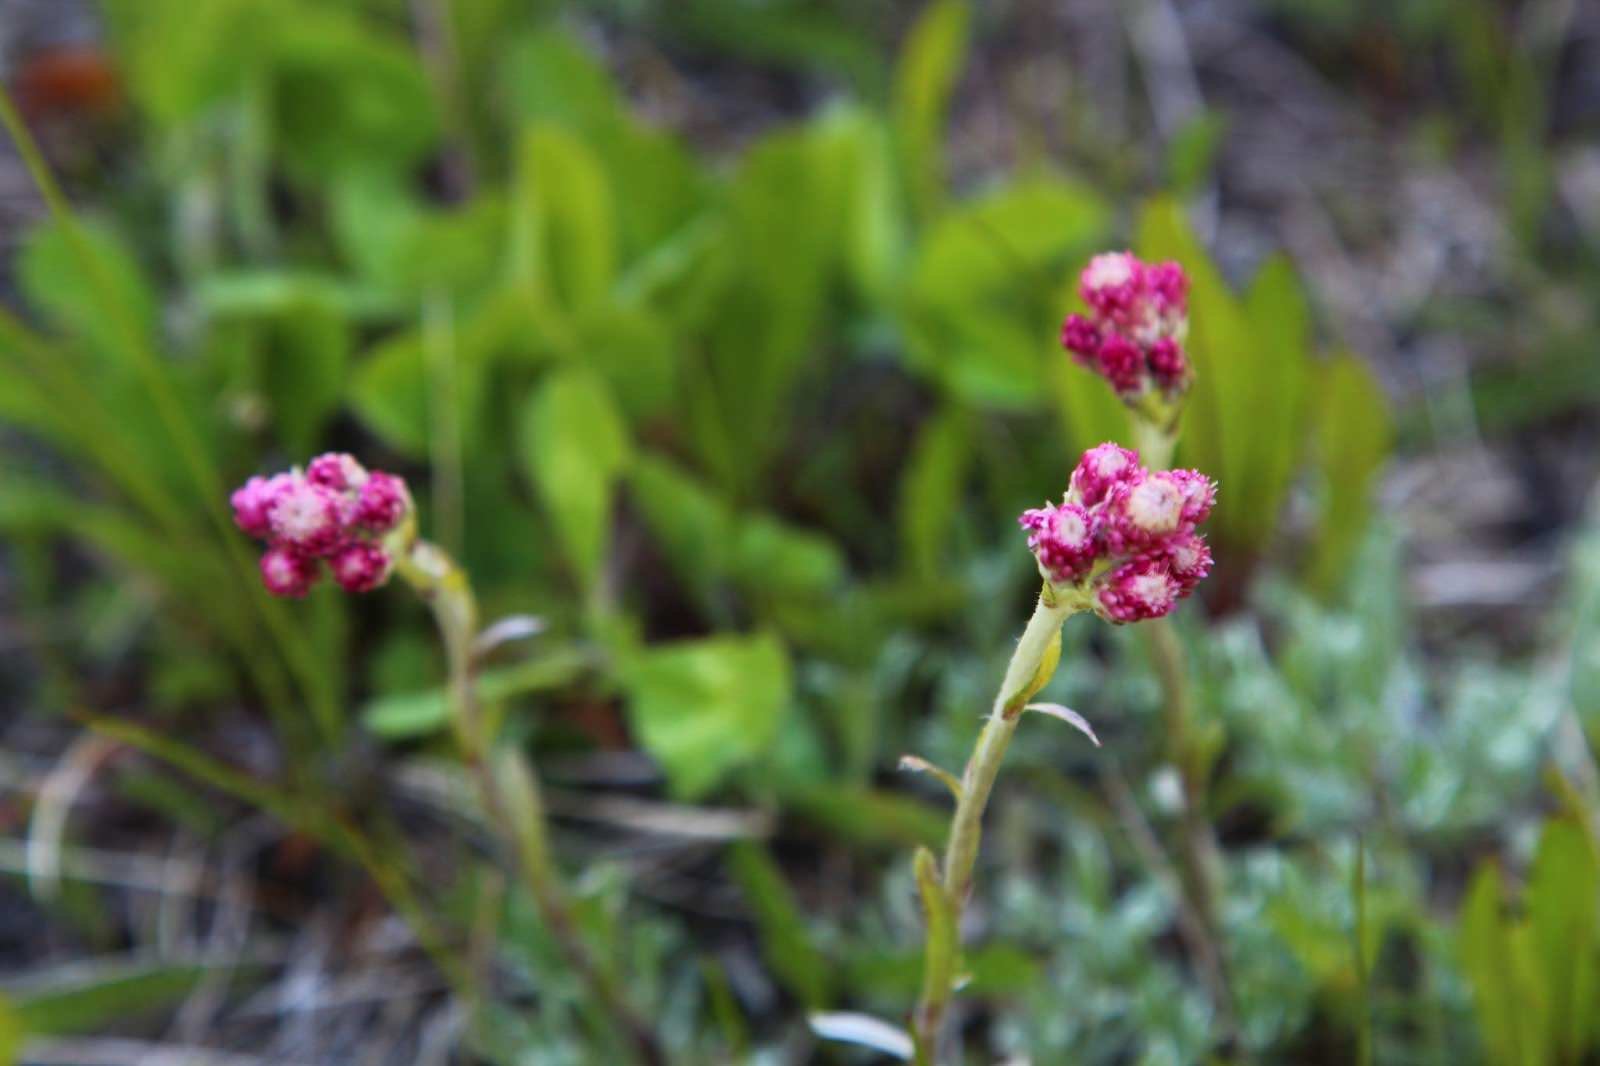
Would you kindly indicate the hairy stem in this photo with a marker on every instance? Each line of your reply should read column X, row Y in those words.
column 945, row 899
column 508, row 788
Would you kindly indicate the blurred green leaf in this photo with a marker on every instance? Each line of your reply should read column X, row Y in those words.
column 685, row 515
column 786, row 942
column 54, row 279
column 552, row 80
column 1495, row 956
column 562, row 224
column 574, row 446
column 929, row 66
column 980, row 311
column 1563, row 902
column 12, row 1032
column 705, row 707
column 90, row 997
column 777, row 558
column 403, row 716
column 344, row 96
column 931, row 490
column 1353, row 431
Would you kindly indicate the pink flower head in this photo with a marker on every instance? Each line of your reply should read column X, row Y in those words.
column 1124, row 537
column 252, row 502
column 338, row 471
column 307, row 517
column 1168, row 288
column 1062, row 539
column 1199, row 494
column 337, row 510
column 382, row 502
column 287, row 572
column 1188, row 560
column 360, row 566
column 1169, row 365
column 1133, row 335
column 1142, row 511
column 1121, row 363
column 1102, row 467
column 1138, row 589
column 1082, row 338
column 1113, row 284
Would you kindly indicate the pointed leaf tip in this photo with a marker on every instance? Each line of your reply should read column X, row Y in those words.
column 919, row 765
column 864, row 1030
column 1067, row 715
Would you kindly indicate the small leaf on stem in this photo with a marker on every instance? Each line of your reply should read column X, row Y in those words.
column 848, row 1027
column 1067, row 715
column 510, row 628
column 919, row 765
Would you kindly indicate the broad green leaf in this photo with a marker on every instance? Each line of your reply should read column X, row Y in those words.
column 981, row 311
column 303, row 346
column 706, row 707
column 1563, row 896
column 636, row 351
column 400, row 388
column 390, row 392
column 414, row 714
column 574, row 445
column 101, row 305
column 774, row 558
column 1506, row 988
column 12, row 1032
column 765, row 555
column 181, row 57
column 563, row 233
column 756, row 314
column 931, row 490
column 786, row 942
column 1233, row 376
column 551, row 79
column 1281, row 320
column 693, row 523
column 875, row 231
column 345, row 96
column 1353, row 432
column 929, row 66
column 870, row 817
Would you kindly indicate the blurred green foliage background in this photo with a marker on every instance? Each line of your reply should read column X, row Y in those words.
column 718, row 336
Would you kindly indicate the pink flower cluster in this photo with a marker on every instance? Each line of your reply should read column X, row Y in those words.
column 1138, row 318
column 335, row 511
column 1124, row 534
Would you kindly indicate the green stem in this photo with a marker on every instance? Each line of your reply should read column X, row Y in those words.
column 1031, row 666
column 507, row 786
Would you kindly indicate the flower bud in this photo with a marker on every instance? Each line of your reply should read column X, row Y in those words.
column 1123, row 540
column 307, row 517
column 1133, row 336
column 252, row 503
column 1188, row 560
column 1101, row 468
column 360, row 566
column 1139, row 589
column 337, row 510
column 287, row 572
column 338, row 471
column 1062, row 540
column 382, row 503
